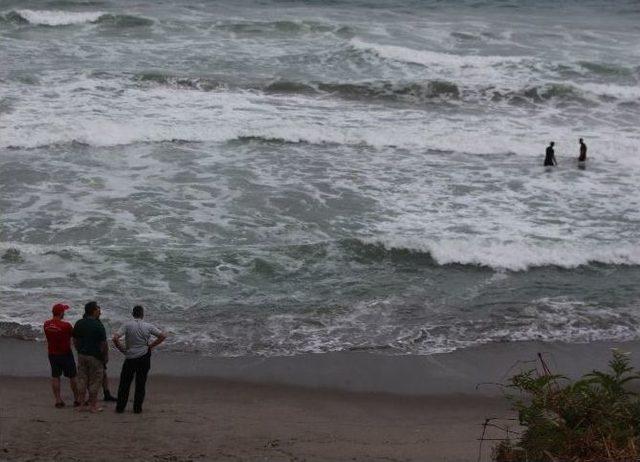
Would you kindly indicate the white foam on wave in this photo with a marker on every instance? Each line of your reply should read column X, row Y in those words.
column 544, row 320
column 515, row 256
column 82, row 111
column 59, row 18
column 623, row 92
column 428, row 57
column 482, row 75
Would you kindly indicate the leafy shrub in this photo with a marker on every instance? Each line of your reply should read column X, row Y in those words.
column 596, row 418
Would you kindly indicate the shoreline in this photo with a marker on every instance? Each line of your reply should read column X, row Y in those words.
column 460, row 371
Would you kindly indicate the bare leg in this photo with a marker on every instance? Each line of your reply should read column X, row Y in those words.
column 82, row 383
column 55, row 386
column 82, row 394
column 93, row 403
column 74, row 388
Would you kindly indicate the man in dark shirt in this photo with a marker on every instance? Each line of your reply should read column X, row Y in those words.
column 550, row 156
column 583, row 151
column 90, row 340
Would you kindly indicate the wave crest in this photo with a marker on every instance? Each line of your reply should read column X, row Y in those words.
column 412, row 92
column 193, row 83
column 18, row 330
column 285, row 28
column 123, row 20
column 54, row 18
column 502, row 256
column 428, row 57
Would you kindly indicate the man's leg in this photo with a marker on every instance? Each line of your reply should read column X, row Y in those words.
column 76, row 392
column 95, row 383
column 55, row 386
column 142, row 370
column 82, row 382
column 56, row 372
column 70, row 371
column 106, row 394
column 126, row 377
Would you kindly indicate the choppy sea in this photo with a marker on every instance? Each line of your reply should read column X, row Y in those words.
column 278, row 177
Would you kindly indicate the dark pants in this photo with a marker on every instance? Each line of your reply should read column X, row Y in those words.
column 138, row 367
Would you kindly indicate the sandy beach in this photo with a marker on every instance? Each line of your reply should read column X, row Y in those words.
column 207, row 419
column 268, row 408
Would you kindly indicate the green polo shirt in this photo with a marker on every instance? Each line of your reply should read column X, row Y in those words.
column 89, row 334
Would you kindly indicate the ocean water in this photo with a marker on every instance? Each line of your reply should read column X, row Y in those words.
column 279, row 177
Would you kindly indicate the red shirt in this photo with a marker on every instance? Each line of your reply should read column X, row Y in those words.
column 58, row 334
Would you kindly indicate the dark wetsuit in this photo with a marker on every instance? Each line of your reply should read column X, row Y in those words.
column 583, row 152
column 549, row 158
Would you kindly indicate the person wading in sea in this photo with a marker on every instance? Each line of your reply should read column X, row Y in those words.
column 550, row 156
column 583, row 151
column 137, row 351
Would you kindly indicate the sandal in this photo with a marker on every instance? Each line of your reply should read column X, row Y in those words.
column 60, row 405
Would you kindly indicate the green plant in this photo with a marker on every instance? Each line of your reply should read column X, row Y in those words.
column 596, row 418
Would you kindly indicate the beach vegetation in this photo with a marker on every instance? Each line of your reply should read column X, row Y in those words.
column 595, row 418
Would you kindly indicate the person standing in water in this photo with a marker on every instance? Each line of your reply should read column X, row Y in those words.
column 550, row 156
column 583, row 151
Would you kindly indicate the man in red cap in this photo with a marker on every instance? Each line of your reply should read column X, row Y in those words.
column 58, row 333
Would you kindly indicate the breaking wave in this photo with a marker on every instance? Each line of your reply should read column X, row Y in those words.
column 284, row 27
column 411, row 92
column 496, row 256
column 13, row 329
column 193, row 83
column 428, row 57
column 67, row 18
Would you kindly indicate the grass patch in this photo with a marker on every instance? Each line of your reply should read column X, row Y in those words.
column 595, row 418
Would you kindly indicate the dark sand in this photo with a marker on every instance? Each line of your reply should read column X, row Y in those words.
column 333, row 407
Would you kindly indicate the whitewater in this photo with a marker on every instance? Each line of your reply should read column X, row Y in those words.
column 277, row 179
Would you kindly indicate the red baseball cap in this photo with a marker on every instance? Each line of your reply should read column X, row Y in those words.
column 59, row 308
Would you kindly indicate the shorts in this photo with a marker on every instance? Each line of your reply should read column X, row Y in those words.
column 63, row 365
column 90, row 373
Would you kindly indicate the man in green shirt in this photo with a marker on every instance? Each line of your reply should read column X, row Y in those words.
column 90, row 340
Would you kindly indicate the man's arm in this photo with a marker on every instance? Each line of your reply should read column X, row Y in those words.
column 116, row 342
column 160, row 337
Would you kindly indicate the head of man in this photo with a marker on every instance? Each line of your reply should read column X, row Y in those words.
column 92, row 310
column 552, row 144
column 137, row 312
column 58, row 310
column 581, row 141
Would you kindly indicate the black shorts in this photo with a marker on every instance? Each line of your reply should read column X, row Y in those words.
column 63, row 364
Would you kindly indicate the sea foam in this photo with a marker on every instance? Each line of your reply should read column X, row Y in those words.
column 59, row 18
